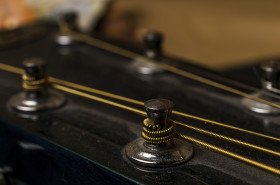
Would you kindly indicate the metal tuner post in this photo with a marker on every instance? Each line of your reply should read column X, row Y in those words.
column 158, row 147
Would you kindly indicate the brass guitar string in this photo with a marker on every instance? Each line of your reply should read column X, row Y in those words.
column 142, row 103
column 103, row 93
column 64, row 28
column 231, row 154
column 204, row 144
column 228, row 139
column 115, row 49
column 142, row 113
column 239, row 84
column 96, row 91
column 193, row 140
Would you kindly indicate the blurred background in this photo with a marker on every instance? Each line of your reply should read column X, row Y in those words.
column 217, row 34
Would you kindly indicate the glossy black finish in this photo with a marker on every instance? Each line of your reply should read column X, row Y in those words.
column 83, row 142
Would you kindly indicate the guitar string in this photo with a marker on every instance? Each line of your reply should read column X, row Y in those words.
column 231, row 154
column 64, row 28
column 115, row 49
column 199, row 142
column 204, row 144
column 103, row 93
column 193, row 140
column 235, row 83
column 142, row 113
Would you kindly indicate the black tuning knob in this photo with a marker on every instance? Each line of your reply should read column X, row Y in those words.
column 153, row 42
column 35, row 79
column 70, row 20
column 270, row 73
column 35, row 67
column 159, row 111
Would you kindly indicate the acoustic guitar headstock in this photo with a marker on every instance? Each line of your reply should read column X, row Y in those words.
column 76, row 109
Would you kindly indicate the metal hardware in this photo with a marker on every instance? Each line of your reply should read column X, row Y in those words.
column 152, row 50
column 36, row 95
column 269, row 73
column 158, row 147
column 153, row 41
column 69, row 22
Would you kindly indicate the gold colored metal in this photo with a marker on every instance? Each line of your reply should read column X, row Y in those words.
column 176, row 122
column 154, row 131
column 92, row 90
column 229, row 139
column 152, row 135
column 96, row 91
column 103, row 93
column 73, row 91
column 228, row 126
column 115, row 49
column 30, row 83
column 11, row 69
column 212, row 147
column 230, row 154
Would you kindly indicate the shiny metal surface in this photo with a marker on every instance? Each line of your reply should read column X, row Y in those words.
column 20, row 102
column 153, row 43
column 152, row 50
column 170, row 152
column 271, row 86
column 159, row 111
column 85, row 140
column 36, row 95
column 259, row 107
column 63, row 39
column 270, row 72
column 144, row 68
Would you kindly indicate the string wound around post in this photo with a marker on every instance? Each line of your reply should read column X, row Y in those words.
column 158, row 147
column 36, row 96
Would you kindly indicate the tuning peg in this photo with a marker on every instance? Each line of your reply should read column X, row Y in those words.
column 35, row 70
column 153, row 45
column 270, row 73
column 158, row 147
column 70, row 20
column 67, row 22
column 152, row 50
column 37, row 96
column 159, row 111
column 35, row 67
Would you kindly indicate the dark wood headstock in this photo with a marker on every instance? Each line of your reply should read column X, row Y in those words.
column 83, row 141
